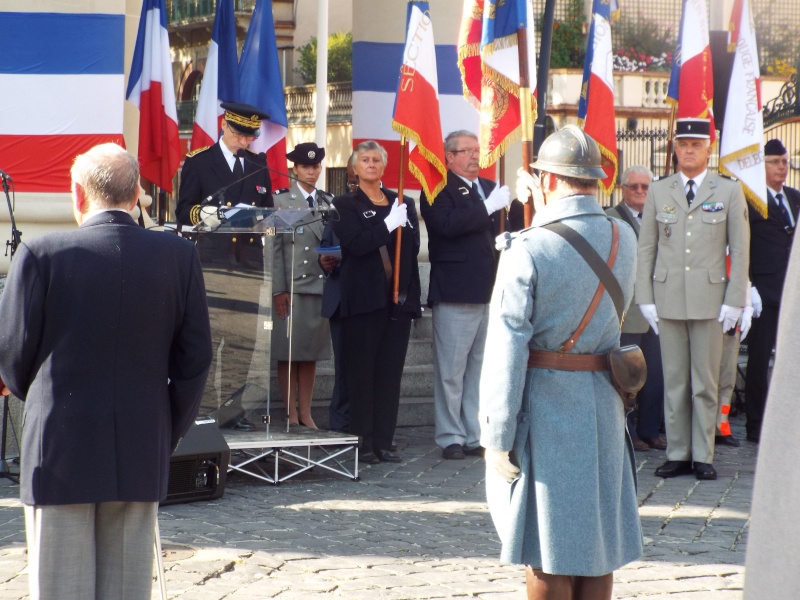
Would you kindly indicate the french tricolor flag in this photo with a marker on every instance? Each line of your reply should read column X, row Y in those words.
column 596, row 106
column 691, row 83
column 220, row 78
column 416, row 111
column 151, row 90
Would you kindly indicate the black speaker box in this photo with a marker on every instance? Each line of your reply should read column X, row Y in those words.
column 198, row 468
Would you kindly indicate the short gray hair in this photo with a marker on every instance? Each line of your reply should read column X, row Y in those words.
column 368, row 146
column 451, row 141
column 635, row 170
column 108, row 175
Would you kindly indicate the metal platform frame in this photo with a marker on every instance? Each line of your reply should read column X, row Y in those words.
column 304, row 449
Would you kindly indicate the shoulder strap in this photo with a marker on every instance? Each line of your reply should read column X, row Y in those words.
column 601, row 269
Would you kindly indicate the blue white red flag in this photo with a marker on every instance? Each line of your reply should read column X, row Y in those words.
column 691, row 84
column 596, row 105
column 741, row 148
column 469, row 51
column 260, row 85
column 416, row 109
column 151, row 90
column 57, row 104
column 220, row 77
column 500, row 112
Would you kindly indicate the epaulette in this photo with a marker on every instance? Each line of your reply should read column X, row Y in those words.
column 198, row 151
column 725, row 176
column 281, row 191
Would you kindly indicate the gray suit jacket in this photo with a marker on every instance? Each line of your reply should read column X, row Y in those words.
column 308, row 275
column 634, row 321
column 682, row 259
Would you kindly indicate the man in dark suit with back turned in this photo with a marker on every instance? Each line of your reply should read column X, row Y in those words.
column 226, row 174
column 110, row 353
column 462, row 223
column 770, row 246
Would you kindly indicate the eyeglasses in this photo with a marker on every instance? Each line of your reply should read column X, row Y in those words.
column 637, row 187
column 467, row 151
column 784, row 162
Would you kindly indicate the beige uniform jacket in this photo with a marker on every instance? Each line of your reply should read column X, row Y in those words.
column 681, row 267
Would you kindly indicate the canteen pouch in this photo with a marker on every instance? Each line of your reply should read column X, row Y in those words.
column 628, row 373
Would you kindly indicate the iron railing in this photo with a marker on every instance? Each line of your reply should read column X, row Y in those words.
column 183, row 11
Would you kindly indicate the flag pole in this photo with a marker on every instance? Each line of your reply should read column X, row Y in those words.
column 670, row 134
column 526, row 113
column 399, row 234
column 542, row 80
column 501, row 182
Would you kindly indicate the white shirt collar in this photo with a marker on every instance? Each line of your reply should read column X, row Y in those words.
column 229, row 156
column 698, row 180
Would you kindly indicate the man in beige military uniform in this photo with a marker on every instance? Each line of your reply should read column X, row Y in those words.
column 684, row 291
column 297, row 284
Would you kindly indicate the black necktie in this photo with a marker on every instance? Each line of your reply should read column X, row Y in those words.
column 238, row 169
column 690, row 193
column 782, row 209
column 475, row 189
column 310, row 201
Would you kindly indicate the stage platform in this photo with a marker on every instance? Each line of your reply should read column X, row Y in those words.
column 302, row 448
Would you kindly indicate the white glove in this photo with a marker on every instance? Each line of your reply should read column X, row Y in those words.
column 728, row 316
column 499, row 198
column 525, row 183
column 209, row 216
column 756, row 300
column 650, row 313
column 502, row 465
column 747, row 320
column 397, row 217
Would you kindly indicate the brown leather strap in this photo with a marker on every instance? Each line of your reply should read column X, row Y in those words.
column 563, row 361
column 387, row 264
column 598, row 295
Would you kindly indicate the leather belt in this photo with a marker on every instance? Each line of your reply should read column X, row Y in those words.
column 563, row 361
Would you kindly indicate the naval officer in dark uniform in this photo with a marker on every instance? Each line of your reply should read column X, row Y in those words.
column 226, row 174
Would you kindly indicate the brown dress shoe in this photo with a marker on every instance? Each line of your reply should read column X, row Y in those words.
column 640, row 446
column 658, row 443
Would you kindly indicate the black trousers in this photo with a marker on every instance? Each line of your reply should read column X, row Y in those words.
column 645, row 421
column 373, row 354
column 760, row 343
column 339, row 409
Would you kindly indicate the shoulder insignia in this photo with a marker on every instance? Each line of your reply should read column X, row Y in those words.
column 198, row 151
column 280, row 191
column 726, row 176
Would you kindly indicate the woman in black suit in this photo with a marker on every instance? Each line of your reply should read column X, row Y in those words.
column 375, row 330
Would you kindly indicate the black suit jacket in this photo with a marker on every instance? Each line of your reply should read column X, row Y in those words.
column 361, row 232
column 770, row 246
column 105, row 336
column 206, row 171
column 461, row 243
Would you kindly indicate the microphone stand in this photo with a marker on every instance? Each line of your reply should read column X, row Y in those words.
column 16, row 235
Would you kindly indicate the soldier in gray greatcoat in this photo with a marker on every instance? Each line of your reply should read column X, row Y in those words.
column 561, row 483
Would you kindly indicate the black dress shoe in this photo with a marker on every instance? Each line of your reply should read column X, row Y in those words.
column 727, row 440
column 453, row 452
column 369, row 458
column 243, row 425
column 754, row 436
column 476, row 451
column 388, row 456
column 674, row 468
column 704, row 471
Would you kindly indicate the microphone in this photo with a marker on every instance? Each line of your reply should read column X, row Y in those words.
column 5, row 175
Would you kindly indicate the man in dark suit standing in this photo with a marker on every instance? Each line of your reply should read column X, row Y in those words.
column 645, row 421
column 224, row 175
column 110, row 356
column 462, row 223
column 770, row 246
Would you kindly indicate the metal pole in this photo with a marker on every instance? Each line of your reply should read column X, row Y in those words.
column 544, row 74
column 321, row 129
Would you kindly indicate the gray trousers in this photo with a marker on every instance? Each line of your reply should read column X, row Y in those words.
column 91, row 551
column 459, row 336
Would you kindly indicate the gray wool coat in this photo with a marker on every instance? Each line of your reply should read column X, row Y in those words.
column 573, row 509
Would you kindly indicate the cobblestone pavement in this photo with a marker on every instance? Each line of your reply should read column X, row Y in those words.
column 419, row 529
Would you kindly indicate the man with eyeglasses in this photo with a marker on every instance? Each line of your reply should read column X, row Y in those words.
column 224, row 175
column 462, row 222
column 644, row 422
column 686, row 293
column 770, row 246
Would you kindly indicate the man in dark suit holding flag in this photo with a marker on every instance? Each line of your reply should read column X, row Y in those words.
column 770, row 247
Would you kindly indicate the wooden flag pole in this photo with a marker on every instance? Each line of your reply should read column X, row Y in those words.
column 501, row 182
column 526, row 113
column 399, row 239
